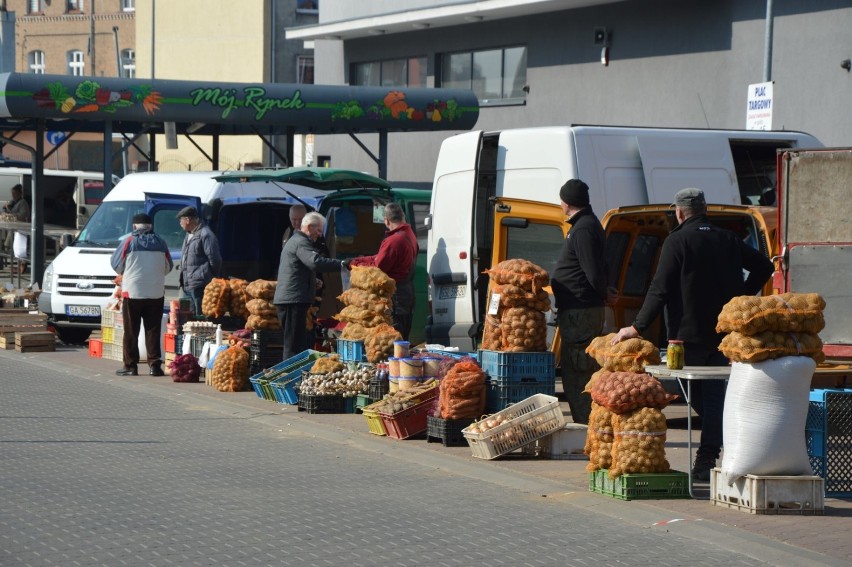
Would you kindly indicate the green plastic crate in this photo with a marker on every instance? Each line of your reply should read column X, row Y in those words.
column 656, row 486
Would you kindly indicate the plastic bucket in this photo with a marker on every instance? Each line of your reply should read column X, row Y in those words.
column 431, row 366
column 410, row 368
column 408, row 382
column 393, row 383
column 401, row 349
column 393, row 366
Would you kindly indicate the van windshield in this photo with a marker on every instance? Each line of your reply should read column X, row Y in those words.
column 109, row 224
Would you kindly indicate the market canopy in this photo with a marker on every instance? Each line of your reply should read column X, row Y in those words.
column 324, row 178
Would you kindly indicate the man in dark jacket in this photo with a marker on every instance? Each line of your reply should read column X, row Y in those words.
column 700, row 270
column 297, row 283
column 200, row 259
column 579, row 287
column 396, row 257
column 143, row 260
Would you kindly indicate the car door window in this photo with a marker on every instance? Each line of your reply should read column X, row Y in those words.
column 540, row 243
column 639, row 269
column 418, row 213
column 167, row 226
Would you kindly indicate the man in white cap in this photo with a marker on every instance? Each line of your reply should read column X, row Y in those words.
column 700, row 270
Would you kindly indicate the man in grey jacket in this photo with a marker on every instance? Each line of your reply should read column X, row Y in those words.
column 200, row 259
column 297, row 282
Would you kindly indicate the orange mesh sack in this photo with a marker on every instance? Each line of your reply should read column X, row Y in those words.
column 492, row 334
column 796, row 312
column 593, row 379
column 521, row 273
column 364, row 299
column 771, row 344
column 354, row 332
column 599, row 439
column 372, row 279
column 622, row 392
column 514, row 296
column 262, row 289
column 259, row 322
column 365, row 317
column 217, row 298
column 261, row 307
column 462, row 391
column 239, row 296
column 523, row 330
column 639, row 444
column 631, row 355
column 231, row 370
column 379, row 342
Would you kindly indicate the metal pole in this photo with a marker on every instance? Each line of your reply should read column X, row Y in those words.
column 117, row 53
column 767, row 50
column 37, row 221
column 92, row 38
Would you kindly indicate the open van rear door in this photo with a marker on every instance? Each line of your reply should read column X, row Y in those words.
column 816, row 236
column 671, row 163
column 453, row 262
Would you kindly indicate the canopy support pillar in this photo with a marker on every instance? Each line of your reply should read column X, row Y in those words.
column 382, row 159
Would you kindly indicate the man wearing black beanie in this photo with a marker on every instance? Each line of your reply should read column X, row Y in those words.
column 579, row 286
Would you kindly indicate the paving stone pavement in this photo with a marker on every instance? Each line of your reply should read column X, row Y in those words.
column 101, row 470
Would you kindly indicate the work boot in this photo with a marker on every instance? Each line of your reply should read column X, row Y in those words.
column 125, row 371
column 156, row 370
column 701, row 468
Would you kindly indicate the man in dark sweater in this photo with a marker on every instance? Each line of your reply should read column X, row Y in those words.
column 579, row 287
column 701, row 268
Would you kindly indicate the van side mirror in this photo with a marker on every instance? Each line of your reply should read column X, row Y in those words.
column 65, row 240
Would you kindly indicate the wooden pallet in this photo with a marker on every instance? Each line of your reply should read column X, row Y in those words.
column 7, row 340
column 35, row 342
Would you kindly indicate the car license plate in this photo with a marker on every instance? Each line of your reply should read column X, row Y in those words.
column 83, row 310
column 451, row 291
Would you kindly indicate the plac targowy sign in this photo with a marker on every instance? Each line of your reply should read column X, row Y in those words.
column 759, row 107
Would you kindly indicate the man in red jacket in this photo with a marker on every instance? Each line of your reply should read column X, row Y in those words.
column 396, row 257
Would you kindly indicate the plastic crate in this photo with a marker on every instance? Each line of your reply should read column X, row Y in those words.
column 512, row 367
column 453, row 354
column 268, row 358
column 112, row 318
column 828, row 435
column 499, row 397
column 292, row 368
column 96, row 348
column 362, row 401
column 408, row 423
column 351, row 351
column 261, row 339
column 776, row 495
column 169, row 342
column 378, row 389
column 312, row 403
column 374, row 421
column 567, row 443
column 658, row 486
column 446, row 431
column 113, row 352
column 178, row 344
column 530, row 419
column 284, row 389
column 196, row 344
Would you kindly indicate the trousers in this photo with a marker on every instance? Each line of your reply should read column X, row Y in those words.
column 295, row 332
column 708, row 398
column 134, row 313
column 577, row 328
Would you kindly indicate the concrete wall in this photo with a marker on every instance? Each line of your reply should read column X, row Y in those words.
column 672, row 64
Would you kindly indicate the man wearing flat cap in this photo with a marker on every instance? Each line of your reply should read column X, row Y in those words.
column 143, row 260
column 579, row 286
column 200, row 259
column 700, row 269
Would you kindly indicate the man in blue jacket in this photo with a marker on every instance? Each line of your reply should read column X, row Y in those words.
column 143, row 260
column 200, row 259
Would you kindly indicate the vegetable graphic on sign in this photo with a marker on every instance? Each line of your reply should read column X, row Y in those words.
column 90, row 96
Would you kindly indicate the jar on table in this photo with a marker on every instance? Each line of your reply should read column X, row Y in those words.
column 674, row 355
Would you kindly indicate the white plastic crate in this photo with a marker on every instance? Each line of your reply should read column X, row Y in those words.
column 769, row 494
column 113, row 352
column 528, row 420
column 566, row 443
column 112, row 318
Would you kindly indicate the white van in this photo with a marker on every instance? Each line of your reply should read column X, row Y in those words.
column 622, row 166
column 70, row 196
column 248, row 218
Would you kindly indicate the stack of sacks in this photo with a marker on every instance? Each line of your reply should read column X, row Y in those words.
column 217, row 298
column 518, row 325
column 263, row 313
column 239, row 298
column 774, row 344
column 618, row 431
column 368, row 311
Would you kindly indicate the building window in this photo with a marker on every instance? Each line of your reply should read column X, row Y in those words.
column 36, row 62
column 34, row 7
column 128, row 63
column 497, row 76
column 76, row 64
column 305, row 69
column 307, row 7
column 128, row 5
column 73, row 6
column 409, row 72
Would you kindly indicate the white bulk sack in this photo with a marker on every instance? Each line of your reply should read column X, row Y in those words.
column 766, row 407
column 143, row 348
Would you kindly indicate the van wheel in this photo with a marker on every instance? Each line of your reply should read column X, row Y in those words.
column 73, row 335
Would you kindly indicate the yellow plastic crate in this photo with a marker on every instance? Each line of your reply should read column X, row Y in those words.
column 374, row 421
column 107, row 335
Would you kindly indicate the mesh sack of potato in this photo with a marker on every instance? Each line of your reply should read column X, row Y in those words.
column 599, row 438
column 354, row 332
column 217, row 298
column 261, row 307
column 771, row 344
column 364, row 299
column 231, row 370
column 524, row 330
column 514, row 296
column 378, row 343
column 370, row 278
column 327, row 365
column 594, row 378
column 631, row 355
column 749, row 315
column 639, row 444
column 239, row 296
column 262, row 289
column 365, row 317
column 521, row 273
column 622, row 392
column 461, row 394
column 261, row 323
column 492, row 333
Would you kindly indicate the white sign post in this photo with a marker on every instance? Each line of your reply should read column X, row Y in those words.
column 759, row 107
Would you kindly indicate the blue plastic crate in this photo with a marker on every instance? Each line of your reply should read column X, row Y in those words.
column 454, row 354
column 828, row 435
column 499, row 396
column 284, row 389
column 260, row 382
column 351, row 351
column 512, row 367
